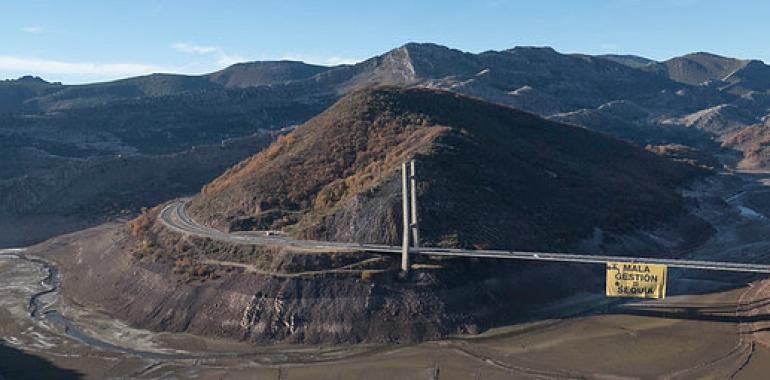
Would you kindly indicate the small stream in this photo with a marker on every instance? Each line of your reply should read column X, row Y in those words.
column 40, row 309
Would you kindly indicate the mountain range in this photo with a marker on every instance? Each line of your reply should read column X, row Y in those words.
column 700, row 100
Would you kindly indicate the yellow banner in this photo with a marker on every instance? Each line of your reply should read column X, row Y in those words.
column 636, row 280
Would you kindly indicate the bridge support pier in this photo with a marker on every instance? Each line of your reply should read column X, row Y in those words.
column 413, row 186
column 405, row 218
column 409, row 206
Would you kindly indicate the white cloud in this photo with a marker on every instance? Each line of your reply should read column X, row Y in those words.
column 341, row 61
column 326, row 61
column 222, row 58
column 225, row 59
column 195, row 49
column 32, row 29
column 46, row 67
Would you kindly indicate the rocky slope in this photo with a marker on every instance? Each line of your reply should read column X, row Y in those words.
column 627, row 120
column 67, row 194
column 493, row 176
column 699, row 68
column 754, row 142
column 739, row 76
column 85, row 145
column 252, row 74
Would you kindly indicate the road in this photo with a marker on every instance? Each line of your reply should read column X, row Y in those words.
column 175, row 217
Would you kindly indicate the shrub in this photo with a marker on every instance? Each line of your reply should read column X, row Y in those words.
column 141, row 224
column 367, row 275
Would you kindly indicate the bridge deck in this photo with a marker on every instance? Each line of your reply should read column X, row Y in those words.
column 175, row 217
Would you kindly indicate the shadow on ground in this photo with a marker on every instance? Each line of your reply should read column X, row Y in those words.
column 711, row 312
column 17, row 365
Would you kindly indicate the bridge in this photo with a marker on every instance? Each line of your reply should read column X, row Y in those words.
column 175, row 217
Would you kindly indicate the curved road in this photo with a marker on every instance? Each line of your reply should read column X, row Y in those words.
column 175, row 217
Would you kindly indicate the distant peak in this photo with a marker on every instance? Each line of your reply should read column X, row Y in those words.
column 426, row 49
column 32, row 79
column 424, row 46
column 258, row 73
column 535, row 49
column 755, row 63
column 705, row 54
column 287, row 62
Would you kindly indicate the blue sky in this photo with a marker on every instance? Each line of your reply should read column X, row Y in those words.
column 84, row 41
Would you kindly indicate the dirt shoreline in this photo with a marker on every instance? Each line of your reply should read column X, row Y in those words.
column 551, row 349
column 724, row 331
